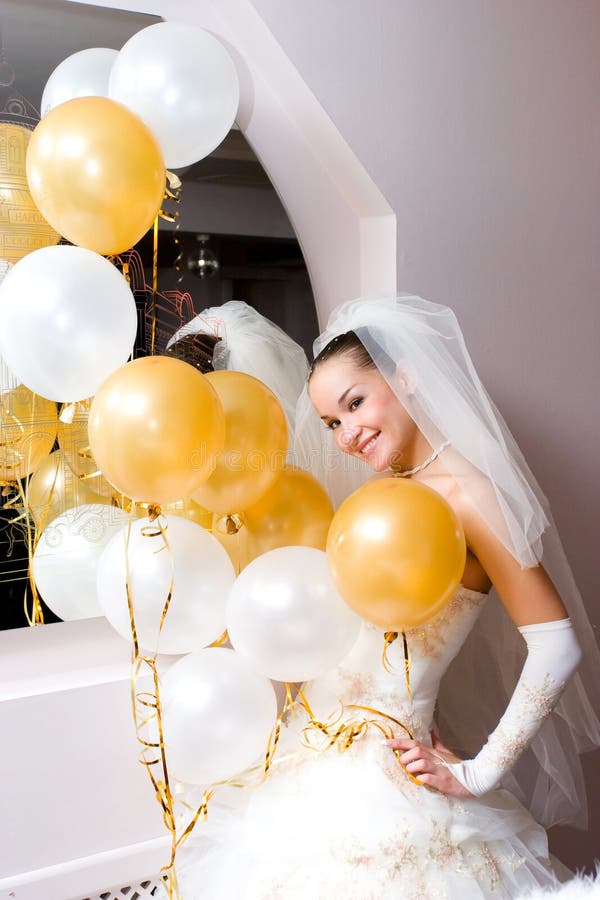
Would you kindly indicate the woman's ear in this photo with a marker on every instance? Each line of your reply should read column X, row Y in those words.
column 404, row 378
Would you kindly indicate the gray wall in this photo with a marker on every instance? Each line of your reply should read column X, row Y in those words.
column 478, row 120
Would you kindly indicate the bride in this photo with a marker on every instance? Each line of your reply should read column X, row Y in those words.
column 490, row 737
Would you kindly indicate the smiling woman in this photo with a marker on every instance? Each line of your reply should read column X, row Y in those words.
column 396, row 387
column 509, row 95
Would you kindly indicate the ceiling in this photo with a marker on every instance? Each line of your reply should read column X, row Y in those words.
column 36, row 35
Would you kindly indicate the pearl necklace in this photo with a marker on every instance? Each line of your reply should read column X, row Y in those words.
column 423, row 465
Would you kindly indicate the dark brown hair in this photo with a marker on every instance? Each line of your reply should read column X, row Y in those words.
column 349, row 344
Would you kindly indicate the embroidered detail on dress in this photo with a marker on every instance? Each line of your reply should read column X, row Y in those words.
column 424, row 865
column 358, row 687
column 432, row 636
column 380, row 692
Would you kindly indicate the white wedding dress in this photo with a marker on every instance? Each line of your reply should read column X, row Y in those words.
column 352, row 824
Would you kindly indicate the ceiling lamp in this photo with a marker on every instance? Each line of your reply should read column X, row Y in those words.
column 203, row 262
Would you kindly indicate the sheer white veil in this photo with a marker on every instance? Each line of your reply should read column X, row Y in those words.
column 250, row 343
column 419, row 344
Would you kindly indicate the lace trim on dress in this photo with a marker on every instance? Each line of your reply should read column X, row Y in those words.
column 431, row 637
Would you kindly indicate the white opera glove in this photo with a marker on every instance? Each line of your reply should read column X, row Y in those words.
column 553, row 654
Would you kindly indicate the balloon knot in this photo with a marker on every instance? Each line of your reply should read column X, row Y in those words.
column 154, row 511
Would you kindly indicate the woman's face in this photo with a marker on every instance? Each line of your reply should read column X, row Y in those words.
column 367, row 418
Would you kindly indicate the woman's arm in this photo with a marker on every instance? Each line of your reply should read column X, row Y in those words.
column 528, row 594
column 553, row 654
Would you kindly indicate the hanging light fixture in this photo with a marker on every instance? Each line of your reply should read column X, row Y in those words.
column 203, row 262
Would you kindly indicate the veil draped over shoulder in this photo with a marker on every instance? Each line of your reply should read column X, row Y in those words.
column 417, row 343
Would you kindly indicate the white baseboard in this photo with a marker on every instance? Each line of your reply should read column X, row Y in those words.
column 86, row 877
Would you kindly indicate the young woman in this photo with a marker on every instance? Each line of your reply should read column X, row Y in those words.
column 396, row 392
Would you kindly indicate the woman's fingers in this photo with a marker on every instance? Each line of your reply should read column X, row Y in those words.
column 411, row 752
column 416, row 759
column 420, row 766
column 410, row 755
column 427, row 766
column 401, row 743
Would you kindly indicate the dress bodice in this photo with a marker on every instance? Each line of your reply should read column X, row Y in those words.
column 363, row 679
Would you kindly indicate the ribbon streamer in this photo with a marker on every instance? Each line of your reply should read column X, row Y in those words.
column 389, row 638
column 148, row 719
column 342, row 734
column 19, row 488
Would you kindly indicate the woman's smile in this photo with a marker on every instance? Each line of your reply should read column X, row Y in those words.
column 368, row 445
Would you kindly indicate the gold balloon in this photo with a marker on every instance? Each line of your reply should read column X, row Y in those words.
column 54, row 488
column 73, row 440
column 295, row 511
column 27, row 432
column 255, row 444
column 155, row 428
column 96, row 173
column 22, row 226
column 397, row 552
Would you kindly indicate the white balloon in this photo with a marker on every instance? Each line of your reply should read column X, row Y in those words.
column 66, row 558
column 84, row 74
column 67, row 321
column 191, row 558
column 286, row 617
column 217, row 716
column 183, row 83
column 7, row 380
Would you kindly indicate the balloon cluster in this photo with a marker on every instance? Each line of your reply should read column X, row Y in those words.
column 185, row 448
column 93, row 172
column 157, row 436
column 95, row 168
column 113, row 121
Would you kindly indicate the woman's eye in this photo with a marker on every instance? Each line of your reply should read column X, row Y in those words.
column 354, row 404
column 333, row 424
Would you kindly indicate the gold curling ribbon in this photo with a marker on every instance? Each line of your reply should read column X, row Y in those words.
column 389, row 638
column 154, row 283
column 148, row 718
column 17, row 496
column 406, row 664
column 342, row 734
column 222, row 640
column 173, row 194
column 19, row 488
